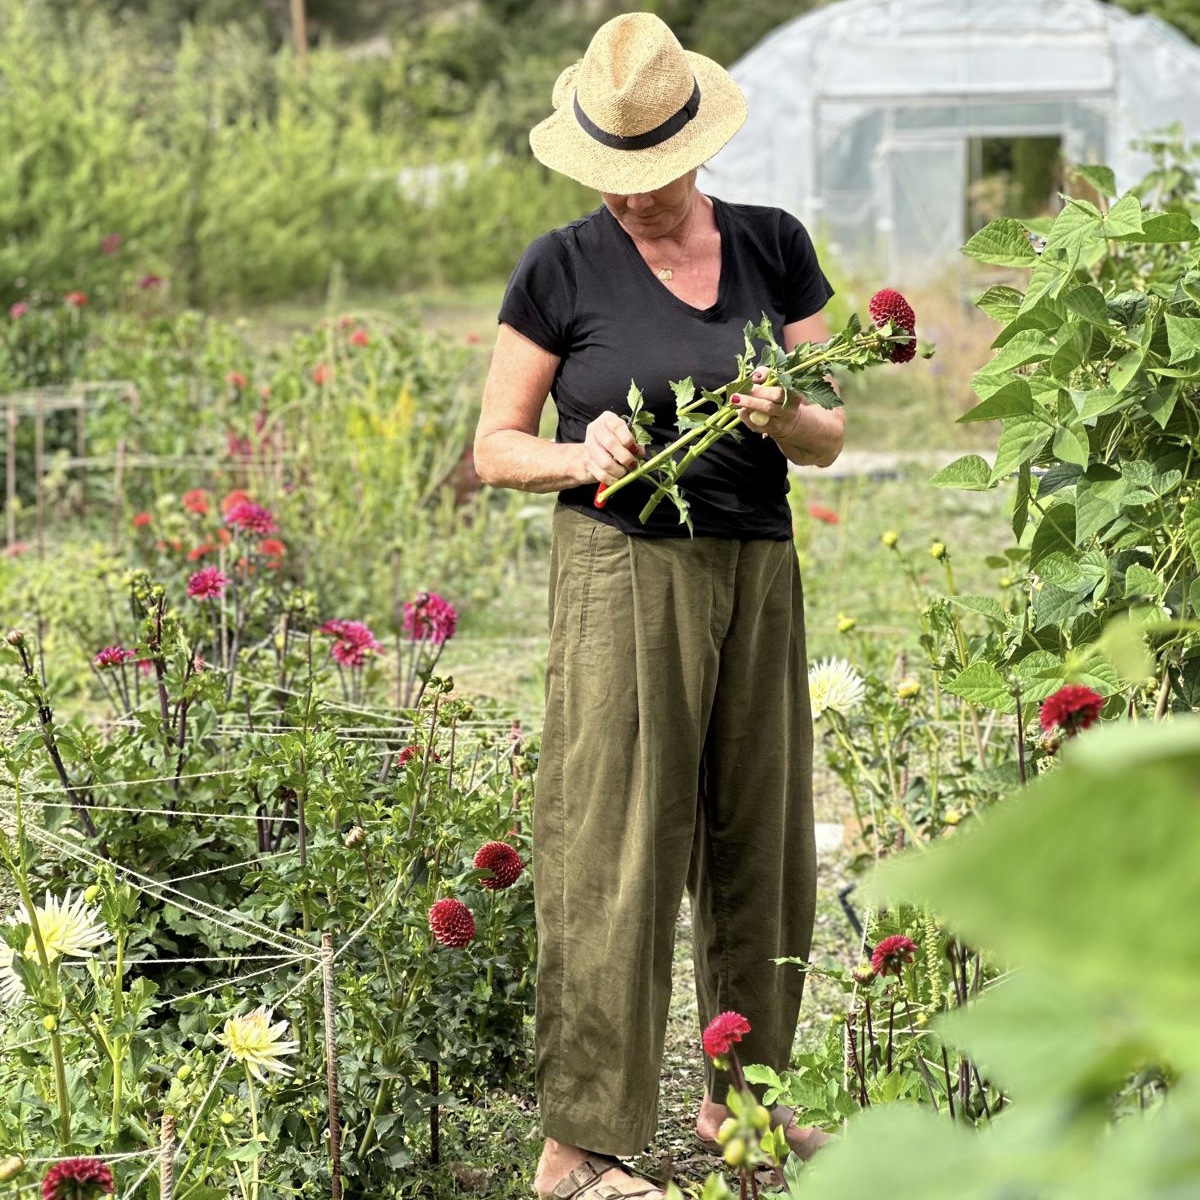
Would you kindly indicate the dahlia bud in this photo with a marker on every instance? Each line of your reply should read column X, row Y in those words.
column 49, row 1022
column 15, row 637
column 1005, row 581
column 91, row 893
column 951, row 816
column 890, row 538
column 355, row 836
column 863, row 974
column 908, row 688
column 735, row 1152
column 938, row 550
column 227, row 1118
column 184, row 1073
column 728, row 1128
column 845, row 624
column 11, row 1167
column 761, row 1119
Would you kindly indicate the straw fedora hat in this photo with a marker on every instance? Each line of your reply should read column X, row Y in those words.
column 637, row 111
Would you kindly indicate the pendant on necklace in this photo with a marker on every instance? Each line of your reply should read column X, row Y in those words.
column 665, row 274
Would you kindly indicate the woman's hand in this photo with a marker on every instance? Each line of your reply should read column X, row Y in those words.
column 609, row 449
column 769, row 411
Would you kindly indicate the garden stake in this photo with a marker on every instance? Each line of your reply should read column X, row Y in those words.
column 435, row 1145
column 39, row 449
column 10, row 478
column 166, row 1178
column 331, row 1077
column 949, row 1085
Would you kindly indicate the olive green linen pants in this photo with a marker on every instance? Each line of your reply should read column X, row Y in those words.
column 676, row 751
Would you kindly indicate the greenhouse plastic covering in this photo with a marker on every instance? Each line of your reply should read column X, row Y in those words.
column 862, row 113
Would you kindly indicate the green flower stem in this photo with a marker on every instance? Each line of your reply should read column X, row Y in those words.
column 117, row 1052
column 253, row 1131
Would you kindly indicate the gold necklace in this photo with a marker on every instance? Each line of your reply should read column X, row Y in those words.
column 666, row 274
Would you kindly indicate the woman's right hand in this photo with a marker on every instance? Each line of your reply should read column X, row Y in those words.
column 609, row 449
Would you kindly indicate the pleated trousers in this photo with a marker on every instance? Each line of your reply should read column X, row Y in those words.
column 676, row 753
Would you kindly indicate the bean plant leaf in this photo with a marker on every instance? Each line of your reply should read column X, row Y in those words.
column 981, row 684
column 1055, row 532
column 1191, row 526
column 1029, row 346
column 971, row 473
column 1020, row 441
column 1014, row 399
column 1101, row 178
column 1001, row 303
column 1183, row 337
column 1125, row 217
column 1164, row 227
column 1001, row 243
column 1071, row 445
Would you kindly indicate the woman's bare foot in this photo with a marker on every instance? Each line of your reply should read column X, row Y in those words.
column 803, row 1140
column 559, row 1160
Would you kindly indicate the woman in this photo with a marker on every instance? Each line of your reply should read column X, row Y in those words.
column 677, row 747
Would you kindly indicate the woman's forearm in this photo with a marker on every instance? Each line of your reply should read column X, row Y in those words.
column 510, row 458
column 817, row 437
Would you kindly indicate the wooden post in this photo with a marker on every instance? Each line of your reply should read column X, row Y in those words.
column 39, row 450
column 10, row 478
column 331, row 1076
column 300, row 35
column 166, row 1168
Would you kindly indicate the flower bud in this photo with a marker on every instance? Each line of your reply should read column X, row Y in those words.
column 735, row 1152
column 227, row 1118
column 863, row 974
column 845, row 624
column 951, row 816
column 908, row 688
column 728, row 1128
column 184, row 1073
column 1006, row 581
column 15, row 637
column 49, row 1022
column 938, row 550
column 761, row 1119
column 354, row 836
column 890, row 538
column 91, row 893
column 11, row 1167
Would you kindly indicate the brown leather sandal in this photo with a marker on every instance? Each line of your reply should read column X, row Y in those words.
column 586, row 1181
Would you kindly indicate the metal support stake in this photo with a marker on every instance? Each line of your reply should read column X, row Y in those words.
column 331, row 1076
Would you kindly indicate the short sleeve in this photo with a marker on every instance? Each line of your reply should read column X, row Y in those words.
column 808, row 291
column 539, row 301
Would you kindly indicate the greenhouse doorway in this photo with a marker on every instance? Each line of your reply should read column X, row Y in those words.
column 1019, row 176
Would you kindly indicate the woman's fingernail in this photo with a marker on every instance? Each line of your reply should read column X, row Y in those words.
column 735, row 400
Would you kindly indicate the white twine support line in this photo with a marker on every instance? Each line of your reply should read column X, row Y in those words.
column 166, row 812
column 200, row 908
column 249, row 862
column 230, row 980
column 108, row 1158
column 181, row 962
column 122, row 783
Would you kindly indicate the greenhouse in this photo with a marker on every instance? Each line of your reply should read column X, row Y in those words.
column 884, row 125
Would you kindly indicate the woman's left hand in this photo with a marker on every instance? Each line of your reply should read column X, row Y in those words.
column 769, row 411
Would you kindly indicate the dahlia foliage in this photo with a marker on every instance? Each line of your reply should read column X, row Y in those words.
column 703, row 417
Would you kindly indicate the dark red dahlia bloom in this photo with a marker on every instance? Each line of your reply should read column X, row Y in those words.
column 1071, row 709
column 819, row 512
column 892, row 954
column 430, row 616
column 888, row 305
column 112, row 656
column 251, row 517
column 504, row 863
column 451, row 922
column 722, row 1031
column 414, row 751
column 354, row 642
column 207, row 583
column 77, row 1179
column 196, row 501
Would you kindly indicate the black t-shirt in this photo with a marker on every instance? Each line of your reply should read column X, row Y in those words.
column 586, row 295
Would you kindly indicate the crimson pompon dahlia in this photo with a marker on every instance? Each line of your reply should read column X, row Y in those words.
column 451, row 922
column 888, row 305
column 77, row 1179
column 1071, row 709
column 504, row 863
column 430, row 616
column 722, row 1031
column 892, row 954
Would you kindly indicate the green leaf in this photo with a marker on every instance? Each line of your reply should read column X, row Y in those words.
column 1021, row 440
column 1014, row 399
column 1071, row 352
column 1164, row 227
column 1191, row 526
column 986, row 605
column 1029, row 346
column 1101, row 178
column 1097, row 504
column 1087, row 302
column 1125, row 368
column 1071, row 445
column 1001, row 243
column 1021, row 500
column 981, row 684
column 1183, row 336
column 1055, row 533
column 971, row 473
column 1000, row 303
column 1124, row 218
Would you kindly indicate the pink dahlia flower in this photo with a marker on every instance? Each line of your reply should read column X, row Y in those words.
column 1071, row 708
column 77, row 1179
column 354, row 642
column 430, row 616
column 892, row 954
column 112, row 656
column 721, row 1033
column 250, row 517
column 207, row 584
column 451, row 922
column 504, row 863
